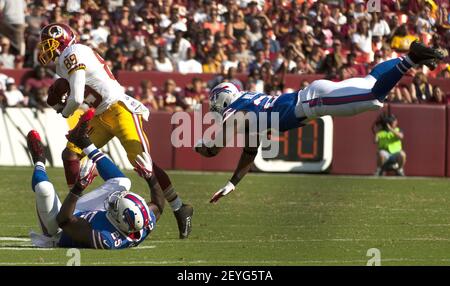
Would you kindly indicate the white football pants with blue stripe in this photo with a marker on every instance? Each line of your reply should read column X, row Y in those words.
column 354, row 95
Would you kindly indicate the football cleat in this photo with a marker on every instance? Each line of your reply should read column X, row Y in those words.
column 35, row 147
column 184, row 220
column 423, row 55
column 79, row 134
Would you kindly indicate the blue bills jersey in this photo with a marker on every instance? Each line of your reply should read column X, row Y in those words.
column 276, row 107
column 105, row 235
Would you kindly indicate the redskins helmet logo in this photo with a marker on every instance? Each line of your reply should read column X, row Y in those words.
column 55, row 32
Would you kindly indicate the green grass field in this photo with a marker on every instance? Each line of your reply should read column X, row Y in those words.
column 270, row 220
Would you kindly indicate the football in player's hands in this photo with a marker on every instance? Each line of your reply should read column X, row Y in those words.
column 58, row 93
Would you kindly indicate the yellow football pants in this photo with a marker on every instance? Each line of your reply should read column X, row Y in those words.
column 116, row 121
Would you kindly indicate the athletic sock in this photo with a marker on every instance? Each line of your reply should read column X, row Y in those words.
column 89, row 149
column 166, row 185
column 176, row 203
column 106, row 168
column 39, row 175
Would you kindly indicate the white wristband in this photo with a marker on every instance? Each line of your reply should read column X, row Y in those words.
column 230, row 185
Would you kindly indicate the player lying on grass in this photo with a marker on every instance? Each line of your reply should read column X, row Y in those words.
column 320, row 98
column 86, row 78
column 109, row 217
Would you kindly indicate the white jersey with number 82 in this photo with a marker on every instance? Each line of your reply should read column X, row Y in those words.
column 102, row 89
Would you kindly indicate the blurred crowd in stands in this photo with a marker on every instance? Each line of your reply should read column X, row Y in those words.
column 266, row 40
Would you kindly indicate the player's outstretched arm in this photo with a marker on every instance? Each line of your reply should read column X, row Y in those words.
column 144, row 168
column 77, row 80
column 245, row 163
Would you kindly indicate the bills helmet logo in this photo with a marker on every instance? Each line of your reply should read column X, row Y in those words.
column 129, row 217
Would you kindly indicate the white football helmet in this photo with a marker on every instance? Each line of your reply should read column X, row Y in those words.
column 128, row 211
column 222, row 95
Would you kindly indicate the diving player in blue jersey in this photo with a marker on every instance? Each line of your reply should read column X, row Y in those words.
column 109, row 217
column 320, row 98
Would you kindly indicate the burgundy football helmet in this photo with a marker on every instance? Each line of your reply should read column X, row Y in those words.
column 55, row 38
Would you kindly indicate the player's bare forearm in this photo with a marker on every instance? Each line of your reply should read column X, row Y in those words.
column 245, row 163
column 65, row 215
column 76, row 228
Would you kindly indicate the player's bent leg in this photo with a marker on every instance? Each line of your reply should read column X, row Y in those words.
column 71, row 162
column 134, row 140
column 99, row 135
column 47, row 201
column 169, row 191
column 390, row 72
column 135, row 147
column 106, row 168
column 47, row 205
column 356, row 95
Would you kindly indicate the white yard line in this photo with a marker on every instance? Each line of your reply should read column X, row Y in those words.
column 24, row 248
column 144, row 247
column 30, row 263
column 11, row 238
column 31, row 247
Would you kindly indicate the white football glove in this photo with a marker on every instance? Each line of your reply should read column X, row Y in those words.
column 88, row 172
column 144, row 165
column 229, row 187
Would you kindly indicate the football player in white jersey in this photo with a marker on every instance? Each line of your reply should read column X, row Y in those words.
column 116, row 114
